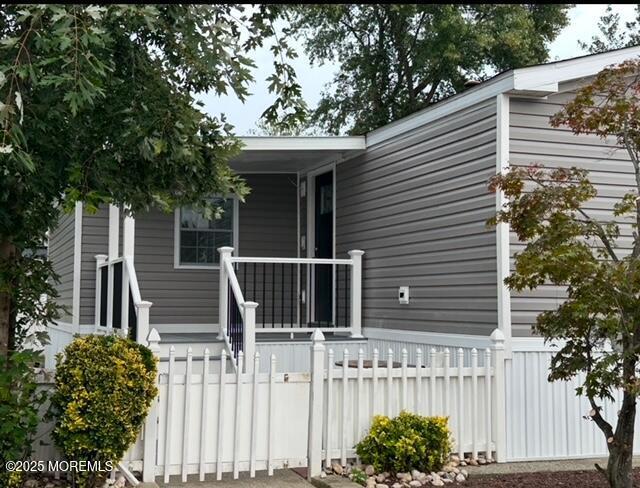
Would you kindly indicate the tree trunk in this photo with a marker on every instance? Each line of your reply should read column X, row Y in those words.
column 619, row 467
column 7, row 253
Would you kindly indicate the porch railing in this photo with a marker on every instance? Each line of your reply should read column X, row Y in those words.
column 118, row 303
column 294, row 295
column 237, row 317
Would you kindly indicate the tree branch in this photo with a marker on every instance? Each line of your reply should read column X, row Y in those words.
column 602, row 424
column 417, row 33
column 601, row 234
column 600, row 230
column 432, row 92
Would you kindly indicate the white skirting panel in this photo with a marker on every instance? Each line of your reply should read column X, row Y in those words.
column 60, row 336
column 295, row 356
column 547, row 420
column 397, row 340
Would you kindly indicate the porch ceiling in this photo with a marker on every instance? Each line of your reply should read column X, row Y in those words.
column 294, row 153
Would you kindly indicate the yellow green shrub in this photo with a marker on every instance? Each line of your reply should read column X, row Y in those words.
column 406, row 442
column 104, row 388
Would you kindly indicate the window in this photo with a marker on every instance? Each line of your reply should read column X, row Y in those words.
column 198, row 238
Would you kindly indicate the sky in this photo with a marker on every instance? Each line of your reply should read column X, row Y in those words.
column 582, row 26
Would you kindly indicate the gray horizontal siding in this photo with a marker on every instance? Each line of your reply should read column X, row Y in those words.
column 533, row 140
column 267, row 227
column 61, row 241
column 417, row 206
column 95, row 240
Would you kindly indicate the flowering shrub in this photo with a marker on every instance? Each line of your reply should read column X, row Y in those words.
column 406, row 442
column 104, row 388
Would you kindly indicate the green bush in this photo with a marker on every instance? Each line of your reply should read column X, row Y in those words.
column 104, row 388
column 20, row 402
column 358, row 476
column 406, row 442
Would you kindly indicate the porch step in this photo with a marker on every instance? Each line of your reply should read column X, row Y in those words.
column 197, row 348
column 189, row 337
column 180, row 366
column 198, row 341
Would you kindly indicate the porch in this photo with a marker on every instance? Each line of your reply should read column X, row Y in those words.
column 267, row 274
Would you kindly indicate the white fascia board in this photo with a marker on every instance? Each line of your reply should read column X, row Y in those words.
column 546, row 77
column 489, row 89
column 535, row 81
column 328, row 143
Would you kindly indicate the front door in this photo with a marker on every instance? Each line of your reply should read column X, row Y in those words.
column 324, row 247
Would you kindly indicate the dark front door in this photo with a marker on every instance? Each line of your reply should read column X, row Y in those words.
column 324, row 247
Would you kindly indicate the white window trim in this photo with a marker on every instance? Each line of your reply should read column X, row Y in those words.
column 176, row 239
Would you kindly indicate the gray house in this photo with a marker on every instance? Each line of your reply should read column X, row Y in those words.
column 411, row 195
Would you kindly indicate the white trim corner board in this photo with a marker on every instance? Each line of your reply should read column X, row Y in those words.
column 503, row 250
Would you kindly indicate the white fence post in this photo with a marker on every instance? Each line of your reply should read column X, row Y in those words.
column 316, row 400
column 249, row 335
column 499, row 419
column 225, row 253
column 143, row 322
column 356, row 293
column 151, row 422
column 100, row 260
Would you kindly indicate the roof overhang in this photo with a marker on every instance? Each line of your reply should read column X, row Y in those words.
column 293, row 154
column 534, row 81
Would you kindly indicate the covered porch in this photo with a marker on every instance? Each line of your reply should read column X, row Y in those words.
column 275, row 277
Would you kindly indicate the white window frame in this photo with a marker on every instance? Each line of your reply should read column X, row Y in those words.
column 176, row 238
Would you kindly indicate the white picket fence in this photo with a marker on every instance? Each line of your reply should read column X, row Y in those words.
column 238, row 422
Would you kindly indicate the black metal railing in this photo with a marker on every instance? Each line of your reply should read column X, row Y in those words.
column 116, row 304
column 116, row 319
column 235, row 324
column 297, row 295
column 133, row 318
column 104, row 293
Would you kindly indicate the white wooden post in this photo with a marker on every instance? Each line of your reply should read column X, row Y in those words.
column 225, row 253
column 356, row 293
column 114, row 241
column 128, row 233
column 499, row 419
column 316, row 400
column 100, row 259
column 151, row 422
column 249, row 335
column 143, row 321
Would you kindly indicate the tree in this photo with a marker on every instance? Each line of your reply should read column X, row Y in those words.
column 98, row 106
column 611, row 35
column 596, row 258
column 397, row 59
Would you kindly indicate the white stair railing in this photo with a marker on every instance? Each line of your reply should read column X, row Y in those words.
column 237, row 317
column 141, row 306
